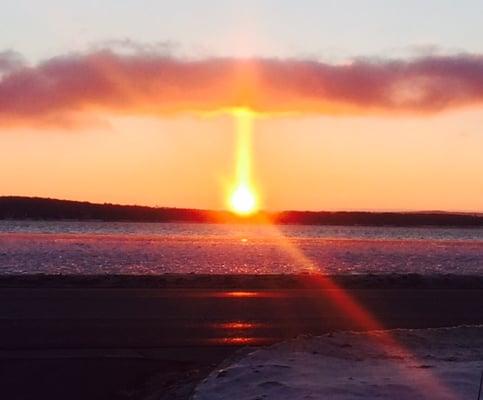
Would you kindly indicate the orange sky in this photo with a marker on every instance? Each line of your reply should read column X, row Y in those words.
column 355, row 110
column 318, row 163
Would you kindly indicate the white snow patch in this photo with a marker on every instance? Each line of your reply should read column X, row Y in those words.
column 350, row 365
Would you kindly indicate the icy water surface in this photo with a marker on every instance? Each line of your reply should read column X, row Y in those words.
column 138, row 248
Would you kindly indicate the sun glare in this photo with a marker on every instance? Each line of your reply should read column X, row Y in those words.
column 243, row 198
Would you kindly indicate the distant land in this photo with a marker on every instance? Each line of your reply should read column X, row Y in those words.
column 36, row 208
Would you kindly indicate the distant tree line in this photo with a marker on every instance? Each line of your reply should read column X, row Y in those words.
column 379, row 218
column 34, row 208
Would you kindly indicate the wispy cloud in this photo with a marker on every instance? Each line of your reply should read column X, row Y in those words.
column 10, row 60
column 73, row 87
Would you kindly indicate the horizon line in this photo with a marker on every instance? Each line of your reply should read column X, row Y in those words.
column 259, row 212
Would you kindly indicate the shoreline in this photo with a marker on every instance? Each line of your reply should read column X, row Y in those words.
column 38, row 208
column 247, row 281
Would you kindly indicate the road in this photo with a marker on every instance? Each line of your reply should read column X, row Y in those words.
column 122, row 343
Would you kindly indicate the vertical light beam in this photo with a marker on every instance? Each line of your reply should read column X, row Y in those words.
column 244, row 126
column 243, row 199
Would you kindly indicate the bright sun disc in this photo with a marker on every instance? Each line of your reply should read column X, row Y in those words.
column 243, row 200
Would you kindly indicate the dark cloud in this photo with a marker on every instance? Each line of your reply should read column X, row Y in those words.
column 10, row 60
column 74, row 87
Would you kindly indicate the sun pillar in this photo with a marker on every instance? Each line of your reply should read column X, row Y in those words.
column 243, row 199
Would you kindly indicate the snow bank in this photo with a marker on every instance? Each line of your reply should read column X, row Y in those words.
column 355, row 366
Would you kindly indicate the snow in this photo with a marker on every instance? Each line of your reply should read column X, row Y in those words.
column 348, row 365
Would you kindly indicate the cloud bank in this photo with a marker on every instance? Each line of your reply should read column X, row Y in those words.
column 69, row 88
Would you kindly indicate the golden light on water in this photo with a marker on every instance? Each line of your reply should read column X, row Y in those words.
column 243, row 197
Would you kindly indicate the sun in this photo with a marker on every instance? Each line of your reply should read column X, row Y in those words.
column 243, row 200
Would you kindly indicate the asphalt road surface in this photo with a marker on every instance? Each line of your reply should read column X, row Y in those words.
column 124, row 343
